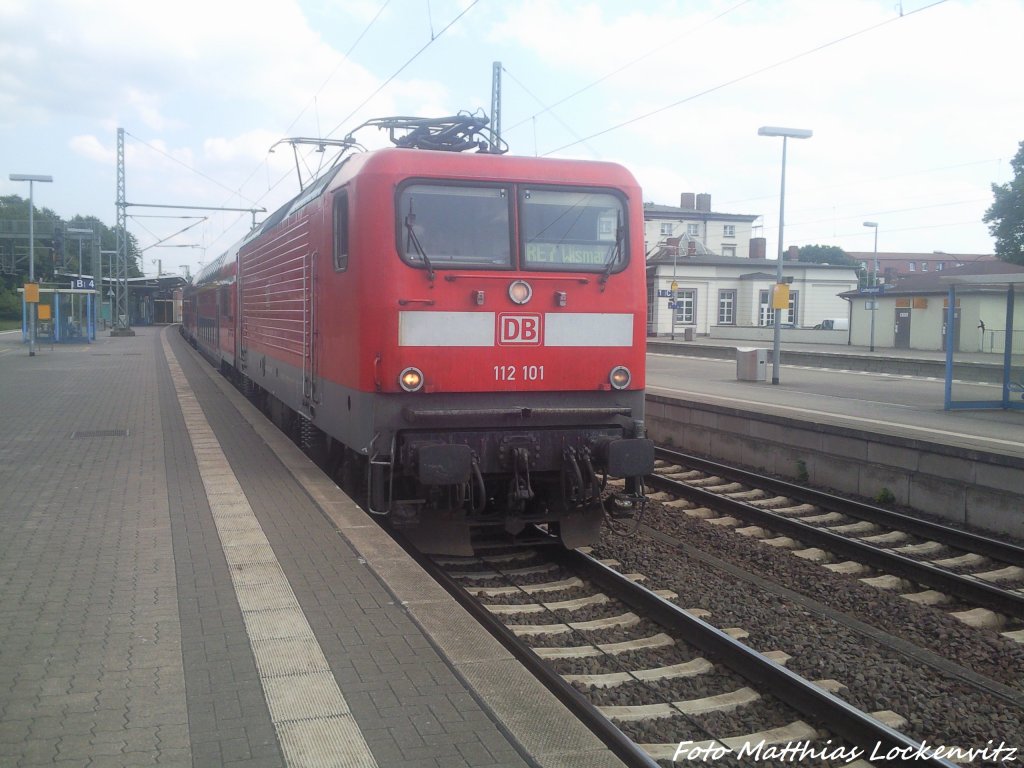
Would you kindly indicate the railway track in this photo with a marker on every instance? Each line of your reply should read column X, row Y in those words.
column 978, row 580
column 648, row 676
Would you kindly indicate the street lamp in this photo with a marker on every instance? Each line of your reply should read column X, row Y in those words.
column 786, row 134
column 31, row 178
column 874, row 283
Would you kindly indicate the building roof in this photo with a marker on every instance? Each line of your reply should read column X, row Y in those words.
column 664, row 255
column 966, row 258
column 653, row 211
column 975, row 275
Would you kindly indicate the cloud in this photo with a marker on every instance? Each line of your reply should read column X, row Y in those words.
column 92, row 148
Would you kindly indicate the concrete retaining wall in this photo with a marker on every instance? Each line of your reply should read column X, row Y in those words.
column 965, row 486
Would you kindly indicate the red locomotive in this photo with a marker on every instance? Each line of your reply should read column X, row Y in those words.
column 461, row 337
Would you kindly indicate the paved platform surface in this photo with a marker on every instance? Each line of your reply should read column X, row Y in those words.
column 180, row 586
column 868, row 394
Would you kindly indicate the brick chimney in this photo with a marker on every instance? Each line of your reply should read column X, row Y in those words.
column 793, row 253
column 704, row 202
column 757, row 248
column 687, row 201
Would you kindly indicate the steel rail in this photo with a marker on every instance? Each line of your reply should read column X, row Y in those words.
column 966, row 588
column 616, row 741
column 802, row 695
column 971, row 542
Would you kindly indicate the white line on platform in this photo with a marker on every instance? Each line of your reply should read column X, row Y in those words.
column 804, row 412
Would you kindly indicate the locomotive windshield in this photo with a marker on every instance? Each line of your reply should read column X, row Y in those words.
column 442, row 225
column 572, row 230
column 445, row 225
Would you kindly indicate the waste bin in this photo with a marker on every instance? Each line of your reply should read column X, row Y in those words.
column 687, row 334
column 751, row 364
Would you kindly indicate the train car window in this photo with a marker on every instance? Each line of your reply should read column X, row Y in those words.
column 572, row 230
column 341, row 232
column 441, row 226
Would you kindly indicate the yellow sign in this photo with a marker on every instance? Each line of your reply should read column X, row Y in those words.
column 780, row 296
column 675, row 285
column 32, row 293
column 43, row 312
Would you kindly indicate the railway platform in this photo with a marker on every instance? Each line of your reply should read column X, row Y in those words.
column 845, row 418
column 180, row 586
column 895, row 392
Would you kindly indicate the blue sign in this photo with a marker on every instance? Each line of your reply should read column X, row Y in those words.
column 875, row 289
column 671, row 304
column 664, row 293
column 86, row 283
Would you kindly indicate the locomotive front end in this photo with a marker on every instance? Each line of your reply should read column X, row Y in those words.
column 516, row 387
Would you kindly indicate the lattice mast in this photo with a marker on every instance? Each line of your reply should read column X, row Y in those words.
column 496, row 107
column 121, row 320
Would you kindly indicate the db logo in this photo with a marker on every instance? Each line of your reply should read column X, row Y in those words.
column 519, row 329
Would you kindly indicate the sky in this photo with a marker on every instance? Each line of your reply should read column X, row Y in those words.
column 916, row 107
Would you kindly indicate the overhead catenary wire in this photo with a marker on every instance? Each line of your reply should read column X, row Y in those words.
column 382, row 86
column 873, row 180
column 564, row 124
column 747, row 76
column 397, row 72
column 197, row 172
column 627, row 65
column 344, row 59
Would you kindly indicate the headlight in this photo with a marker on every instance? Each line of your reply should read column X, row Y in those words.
column 411, row 379
column 620, row 377
column 520, row 291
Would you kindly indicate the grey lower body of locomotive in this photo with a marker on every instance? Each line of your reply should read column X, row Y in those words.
column 523, row 457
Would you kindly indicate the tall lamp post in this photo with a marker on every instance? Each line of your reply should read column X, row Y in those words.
column 874, row 283
column 786, row 134
column 31, row 178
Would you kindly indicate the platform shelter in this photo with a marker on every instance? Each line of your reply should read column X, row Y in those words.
column 63, row 315
column 1011, row 336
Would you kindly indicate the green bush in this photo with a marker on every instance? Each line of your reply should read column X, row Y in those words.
column 10, row 305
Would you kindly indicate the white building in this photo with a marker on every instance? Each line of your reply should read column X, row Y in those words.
column 724, row 234
column 723, row 282
column 912, row 313
column 719, row 296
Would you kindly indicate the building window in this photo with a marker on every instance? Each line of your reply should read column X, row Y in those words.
column 693, row 230
column 686, row 303
column 727, row 307
column 940, row 266
column 729, row 230
column 766, row 315
column 924, row 266
column 666, row 228
column 729, row 250
column 911, row 266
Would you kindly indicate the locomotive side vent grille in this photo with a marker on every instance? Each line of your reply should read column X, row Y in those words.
column 78, row 434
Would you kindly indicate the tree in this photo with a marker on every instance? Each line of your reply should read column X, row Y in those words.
column 833, row 254
column 827, row 254
column 1005, row 218
column 14, row 209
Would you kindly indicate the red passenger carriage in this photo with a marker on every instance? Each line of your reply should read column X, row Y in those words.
column 461, row 335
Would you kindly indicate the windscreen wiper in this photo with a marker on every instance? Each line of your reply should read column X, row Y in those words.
column 616, row 253
column 410, row 221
